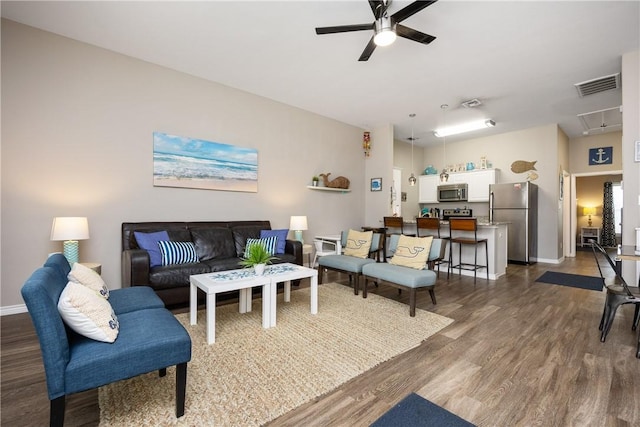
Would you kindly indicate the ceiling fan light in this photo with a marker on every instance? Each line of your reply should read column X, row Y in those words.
column 384, row 32
column 464, row 127
column 384, row 38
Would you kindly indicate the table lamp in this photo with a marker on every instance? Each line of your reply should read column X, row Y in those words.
column 70, row 230
column 589, row 211
column 297, row 224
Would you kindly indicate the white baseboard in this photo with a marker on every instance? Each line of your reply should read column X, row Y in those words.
column 548, row 261
column 13, row 309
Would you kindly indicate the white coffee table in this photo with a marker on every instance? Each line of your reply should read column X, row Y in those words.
column 286, row 273
column 244, row 280
column 223, row 281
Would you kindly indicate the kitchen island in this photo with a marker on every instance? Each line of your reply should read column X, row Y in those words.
column 496, row 234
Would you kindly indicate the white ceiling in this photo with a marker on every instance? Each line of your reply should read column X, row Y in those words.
column 521, row 59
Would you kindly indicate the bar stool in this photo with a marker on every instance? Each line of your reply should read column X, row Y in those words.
column 431, row 227
column 467, row 225
column 393, row 222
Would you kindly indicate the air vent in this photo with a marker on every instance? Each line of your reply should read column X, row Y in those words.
column 598, row 85
column 472, row 103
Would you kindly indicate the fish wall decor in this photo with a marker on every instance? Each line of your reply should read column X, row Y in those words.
column 520, row 166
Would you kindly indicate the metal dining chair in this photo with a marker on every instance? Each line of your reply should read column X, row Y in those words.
column 618, row 292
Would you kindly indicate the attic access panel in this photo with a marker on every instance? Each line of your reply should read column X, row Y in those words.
column 607, row 120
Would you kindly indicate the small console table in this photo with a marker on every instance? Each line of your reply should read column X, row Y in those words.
column 588, row 234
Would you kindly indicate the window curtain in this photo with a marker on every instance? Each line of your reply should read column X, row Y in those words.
column 608, row 221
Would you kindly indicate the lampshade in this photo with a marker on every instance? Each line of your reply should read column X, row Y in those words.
column 297, row 224
column 70, row 229
column 588, row 211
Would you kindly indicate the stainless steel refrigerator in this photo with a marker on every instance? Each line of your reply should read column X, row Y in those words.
column 516, row 203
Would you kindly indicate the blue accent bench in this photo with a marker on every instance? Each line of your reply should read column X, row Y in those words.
column 150, row 339
column 406, row 277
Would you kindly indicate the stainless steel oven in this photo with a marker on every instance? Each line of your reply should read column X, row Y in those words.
column 452, row 193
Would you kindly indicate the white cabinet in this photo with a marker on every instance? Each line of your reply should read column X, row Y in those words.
column 428, row 188
column 478, row 183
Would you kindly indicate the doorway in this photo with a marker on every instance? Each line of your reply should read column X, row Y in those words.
column 396, row 190
column 586, row 191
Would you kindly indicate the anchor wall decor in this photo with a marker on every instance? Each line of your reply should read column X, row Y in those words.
column 600, row 156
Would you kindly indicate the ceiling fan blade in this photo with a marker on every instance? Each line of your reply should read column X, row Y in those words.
column 410, row 10
column 344, row 28
column 366, row 53
column 379, row 7
column 415, row 35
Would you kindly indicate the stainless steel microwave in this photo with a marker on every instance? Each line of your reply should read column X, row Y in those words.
column 452, row 193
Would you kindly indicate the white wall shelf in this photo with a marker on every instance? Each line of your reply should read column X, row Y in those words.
column 338, row 190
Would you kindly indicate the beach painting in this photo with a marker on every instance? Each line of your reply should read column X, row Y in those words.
column 194, row 163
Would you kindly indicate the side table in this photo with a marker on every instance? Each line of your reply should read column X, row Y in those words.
column 307, row 250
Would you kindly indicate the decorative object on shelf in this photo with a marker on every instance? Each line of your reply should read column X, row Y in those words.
column 412, row 178
column 314, row 181
column 470, row 166
column 520, row 166
column 195, row 163
column 483, row 162
column 444, row 176
column 298, row 224
column 430, row 170
column 531, row 176
column 376, row 184
column 588, row 211
column 258, row 257
column 366, row 144
column 338, row 182
column 600, row 156
column 70, row 230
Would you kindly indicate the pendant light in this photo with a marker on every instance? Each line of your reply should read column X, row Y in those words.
column 412, row 178
column 444, row 176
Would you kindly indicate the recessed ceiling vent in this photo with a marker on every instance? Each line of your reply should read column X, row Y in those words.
column 472, row 103
column 598, row 85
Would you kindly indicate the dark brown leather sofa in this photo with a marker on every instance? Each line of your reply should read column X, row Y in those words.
column 219, row 245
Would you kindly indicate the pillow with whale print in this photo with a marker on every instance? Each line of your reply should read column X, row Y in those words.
column 412, row 252
column 87, row 313
column 358, row 243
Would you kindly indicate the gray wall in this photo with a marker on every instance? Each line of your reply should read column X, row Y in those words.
column 77, row 129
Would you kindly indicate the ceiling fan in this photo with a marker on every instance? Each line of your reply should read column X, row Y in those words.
column 385, row 27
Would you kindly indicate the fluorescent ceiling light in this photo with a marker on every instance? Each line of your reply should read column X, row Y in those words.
column 384, row 34
column 465, row 127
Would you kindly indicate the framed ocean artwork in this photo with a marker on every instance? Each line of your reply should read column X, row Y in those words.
column 194, row 163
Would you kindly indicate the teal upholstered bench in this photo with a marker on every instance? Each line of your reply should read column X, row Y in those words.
column 406, row 277
column 348, row 264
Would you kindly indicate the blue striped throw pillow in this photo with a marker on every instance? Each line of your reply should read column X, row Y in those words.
column 270, row 244
column 177, row 252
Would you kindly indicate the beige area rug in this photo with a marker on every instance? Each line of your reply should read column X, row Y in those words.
column 252, row 375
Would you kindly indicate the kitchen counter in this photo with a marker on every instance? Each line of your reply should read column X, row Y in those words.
column 496, row 234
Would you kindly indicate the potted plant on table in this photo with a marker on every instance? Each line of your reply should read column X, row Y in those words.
column 257, row 256
column 314, row 181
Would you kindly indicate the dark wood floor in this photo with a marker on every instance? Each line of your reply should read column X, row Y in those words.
column 519, row 353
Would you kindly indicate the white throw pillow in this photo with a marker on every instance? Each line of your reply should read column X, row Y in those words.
column 87, row 313
column 83, row 275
